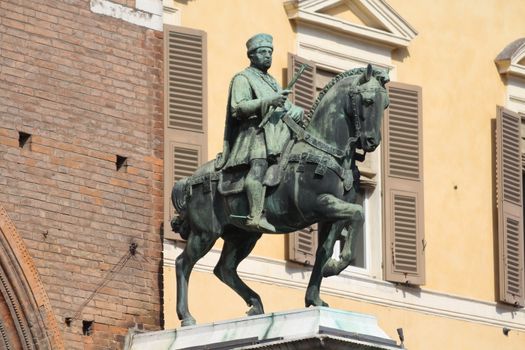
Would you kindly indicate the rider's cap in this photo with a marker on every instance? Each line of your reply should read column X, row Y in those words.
column 259, row 40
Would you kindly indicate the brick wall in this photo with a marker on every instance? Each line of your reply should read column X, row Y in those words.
column 87, row 88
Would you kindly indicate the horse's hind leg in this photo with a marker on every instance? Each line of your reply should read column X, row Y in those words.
column 237, row 246
column 197, row 246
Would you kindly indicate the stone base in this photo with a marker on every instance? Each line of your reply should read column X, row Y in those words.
column 312, row 328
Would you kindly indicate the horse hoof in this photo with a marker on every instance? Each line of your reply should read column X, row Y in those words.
column 256, row 309
column 314, row 303
column 189, row 321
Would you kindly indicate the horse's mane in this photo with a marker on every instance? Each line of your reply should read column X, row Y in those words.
column 379, row 74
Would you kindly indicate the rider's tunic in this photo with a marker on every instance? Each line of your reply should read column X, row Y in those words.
column 247, row 106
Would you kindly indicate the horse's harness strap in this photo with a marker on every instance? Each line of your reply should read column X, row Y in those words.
column 323, row 163
column 302, row 134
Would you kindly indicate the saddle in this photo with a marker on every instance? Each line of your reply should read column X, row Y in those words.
column 232, row 181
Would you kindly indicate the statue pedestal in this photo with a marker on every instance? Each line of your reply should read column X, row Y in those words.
column 312, row 328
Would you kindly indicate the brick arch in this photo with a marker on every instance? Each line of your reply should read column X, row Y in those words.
column 26, row 318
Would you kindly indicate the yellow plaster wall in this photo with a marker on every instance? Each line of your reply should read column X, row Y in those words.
column 452, row 58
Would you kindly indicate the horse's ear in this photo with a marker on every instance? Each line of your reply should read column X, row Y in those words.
column 366, row 75
column 368, row 72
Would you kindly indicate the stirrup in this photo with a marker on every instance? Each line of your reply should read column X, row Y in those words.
column 259, row 223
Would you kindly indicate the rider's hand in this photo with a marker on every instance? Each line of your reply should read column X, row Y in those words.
column 296, row 113
column 279, row 99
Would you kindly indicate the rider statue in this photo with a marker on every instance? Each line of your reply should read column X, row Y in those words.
column 256, row 104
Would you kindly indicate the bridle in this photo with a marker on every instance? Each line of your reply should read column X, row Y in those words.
column 302, row 135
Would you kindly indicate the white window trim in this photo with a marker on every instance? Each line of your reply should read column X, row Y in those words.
column 172, row 14
column 508, row 63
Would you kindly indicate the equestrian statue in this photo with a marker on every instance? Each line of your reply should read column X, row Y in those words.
column 282, row 169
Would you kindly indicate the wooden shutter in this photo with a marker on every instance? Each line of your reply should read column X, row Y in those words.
column 303, row 244
column 510, row 207
column 185, row 162
column 185, row 66
column 185, row 109
column 403, row 187
column 304, row 91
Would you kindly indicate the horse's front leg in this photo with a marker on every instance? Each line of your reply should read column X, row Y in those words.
column 328, row 234
column 333, row 266
column 347, row 214
column 331, row 208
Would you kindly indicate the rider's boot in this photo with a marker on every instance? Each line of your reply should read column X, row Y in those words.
column 256, row 220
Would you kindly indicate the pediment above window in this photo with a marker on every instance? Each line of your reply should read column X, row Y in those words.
column 511, row 61
column 371, row 20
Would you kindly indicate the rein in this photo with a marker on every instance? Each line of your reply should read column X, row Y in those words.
column 303, row 135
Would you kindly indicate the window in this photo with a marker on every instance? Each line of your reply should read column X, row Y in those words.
column 338, row 36
column 510, row 153
column 401, row 210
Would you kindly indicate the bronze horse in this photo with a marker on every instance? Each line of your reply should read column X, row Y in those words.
column 318, row 184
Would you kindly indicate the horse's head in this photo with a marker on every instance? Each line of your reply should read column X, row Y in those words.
column 369, row 99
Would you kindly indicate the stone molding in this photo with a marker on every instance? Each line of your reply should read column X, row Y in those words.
column 24, row 291
column 365, row 289
column 511, row 61
column 511, row 64
column 148, row 13
column 398, row 31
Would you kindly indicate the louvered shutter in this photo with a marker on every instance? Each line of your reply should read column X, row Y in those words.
column 403, row 186
column 185, row 64
column 185, row 162
column 185, row 109
column 510, row 207
column 302, row 244
column 303, row 92
column 522, row 143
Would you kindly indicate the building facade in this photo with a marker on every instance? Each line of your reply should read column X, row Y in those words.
column 104, row 104
column 81, row 158
column 442, row 251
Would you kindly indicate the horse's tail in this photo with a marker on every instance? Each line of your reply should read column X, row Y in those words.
column 179, row 223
